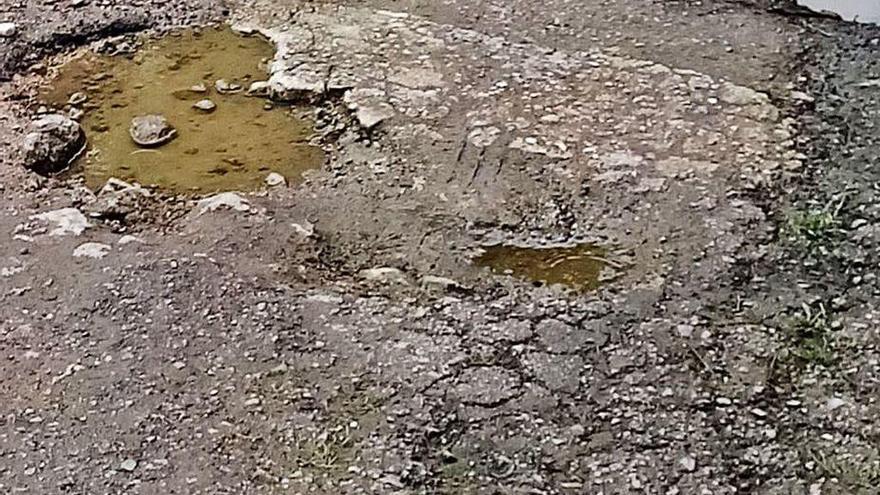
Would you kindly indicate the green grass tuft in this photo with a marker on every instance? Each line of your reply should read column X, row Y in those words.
column 812, row 336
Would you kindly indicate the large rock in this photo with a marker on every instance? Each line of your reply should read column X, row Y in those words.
column 94, row 250
column 151, row 130
column 54, row 142
column 303, row 82
column 119, row 200
column 227, row 200
column 67, row 221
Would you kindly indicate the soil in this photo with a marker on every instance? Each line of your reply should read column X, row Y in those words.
column 340, row 336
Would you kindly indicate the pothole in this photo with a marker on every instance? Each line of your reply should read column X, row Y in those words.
column 224, row 139
column 583, row 267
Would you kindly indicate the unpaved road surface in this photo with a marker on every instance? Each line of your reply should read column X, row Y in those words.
column 335, row 336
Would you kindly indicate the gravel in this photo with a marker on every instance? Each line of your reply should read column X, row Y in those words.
column 261, row 343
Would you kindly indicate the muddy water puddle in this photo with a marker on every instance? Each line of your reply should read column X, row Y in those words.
column 851, row 10
column 581, row 267
column 229, row 141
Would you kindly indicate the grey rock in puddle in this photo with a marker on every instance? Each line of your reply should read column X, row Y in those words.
column 275, row 179
column 53, row 144
column 225, row 87
column 77, row 99
column 151, row 130
column 205, row 106
column 258, row 88
column 191, row 92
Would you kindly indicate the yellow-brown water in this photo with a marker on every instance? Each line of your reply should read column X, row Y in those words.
column 232, row 148
column 578, row 267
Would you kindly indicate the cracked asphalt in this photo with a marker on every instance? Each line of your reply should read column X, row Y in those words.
column 336, row 337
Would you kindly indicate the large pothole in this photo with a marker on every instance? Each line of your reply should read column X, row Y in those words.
column 226, row 139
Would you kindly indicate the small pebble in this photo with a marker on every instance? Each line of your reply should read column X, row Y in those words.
column 275, row 179
column 688, row 463
column 8, row 29
column 224, row 86
column 77, row 99
column 128, row 465
column 206, row 106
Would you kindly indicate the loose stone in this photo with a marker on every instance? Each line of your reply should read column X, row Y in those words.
column 94, row 250
column 151, row 130
column 77, row 99
column 225, row 87
column 8, row 29
column 206, row 106
column 55, row 142
column 275, row 179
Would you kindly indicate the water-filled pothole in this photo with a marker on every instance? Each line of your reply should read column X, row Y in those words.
column 851, row 10
column 225, row 140
column 582, row 267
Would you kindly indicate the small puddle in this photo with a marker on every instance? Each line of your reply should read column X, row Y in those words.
column 231, row 147
column 851, row 10
column 579, row 267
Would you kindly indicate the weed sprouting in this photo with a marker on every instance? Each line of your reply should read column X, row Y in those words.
column 814, row 227
column 812, row 336
column 859, row 472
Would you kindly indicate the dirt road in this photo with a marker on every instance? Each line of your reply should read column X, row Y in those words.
column 337, row 336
